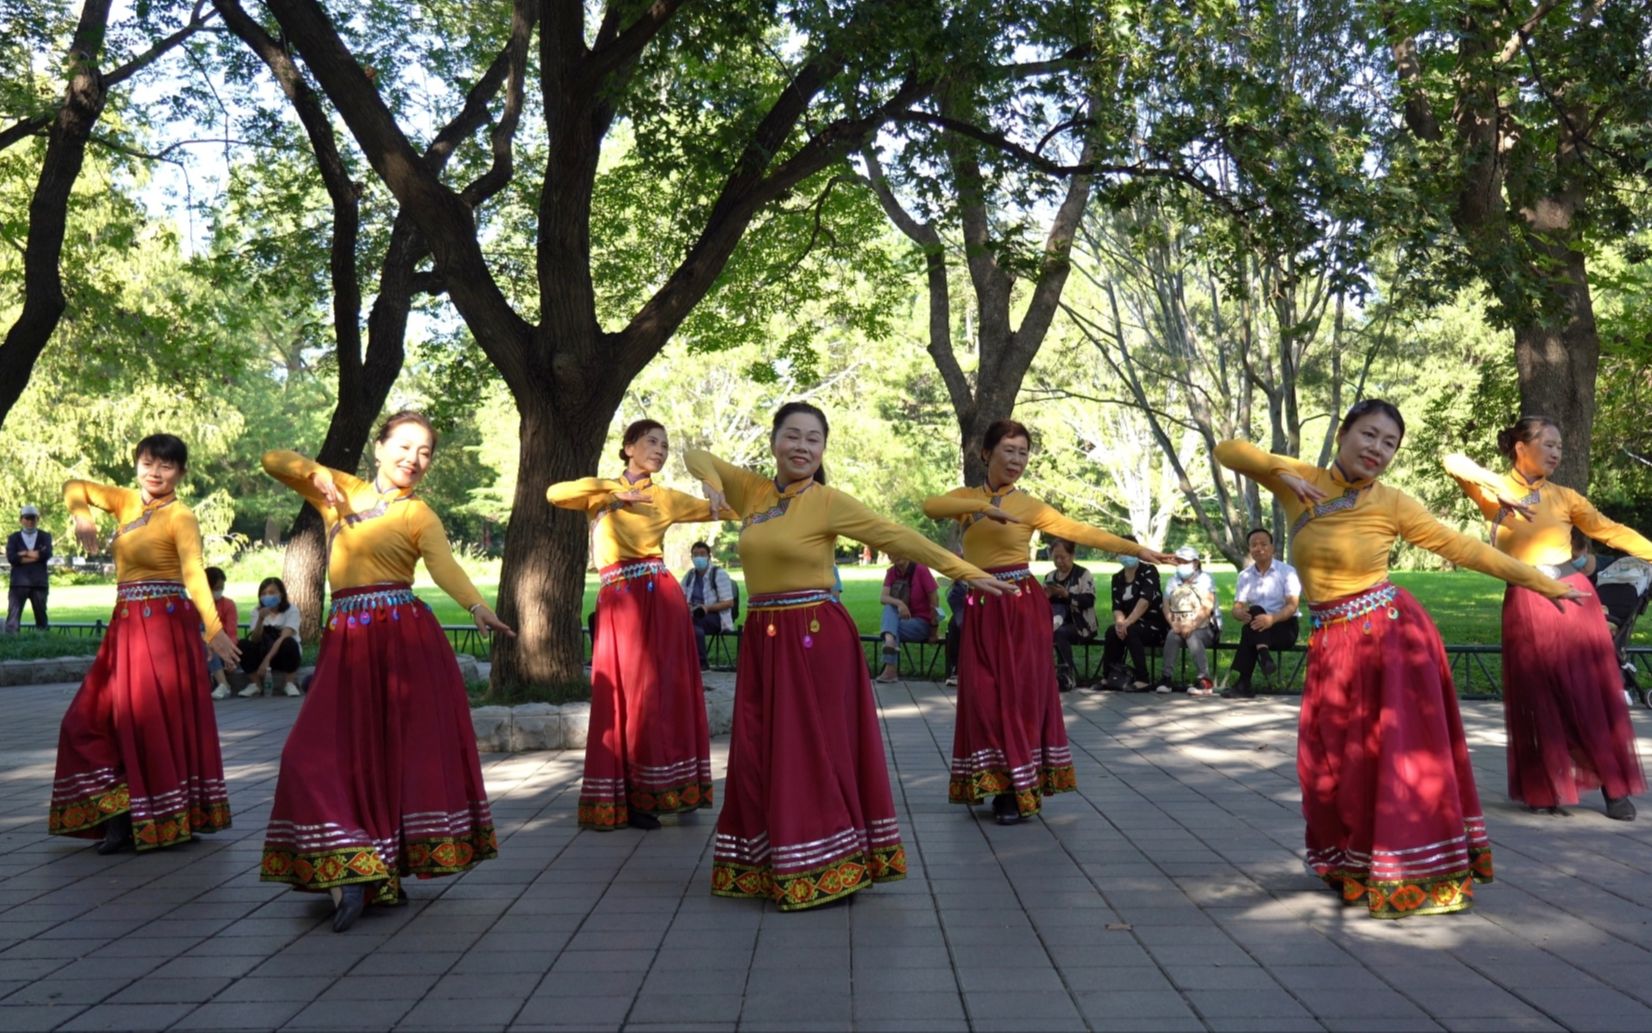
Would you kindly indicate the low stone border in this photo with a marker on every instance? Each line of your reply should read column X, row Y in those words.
column 44, row 671
column 542, row 726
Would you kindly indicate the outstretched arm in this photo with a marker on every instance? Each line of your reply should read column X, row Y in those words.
column 1477, row 482
column 320, row 485
column 1291, row 480
column 853, row 520
column 1419, row 528
column 959, row 502
column 582, row 493
column 738, row 485
column 1052, row 521
column 1595, row 524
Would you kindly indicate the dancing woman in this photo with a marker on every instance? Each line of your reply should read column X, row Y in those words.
column 1393, row 817
column 1568, row 723
column 137, row 753
column 380, row 777
column 1009, row 741
column 649, row 751
column 807, row 816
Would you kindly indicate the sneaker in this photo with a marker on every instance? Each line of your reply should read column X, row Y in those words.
column 1264, row 660
column 1164, row 687
column 1204, row 687
column 289, row 689
column 1242, row 690
column 252, row 689
column 952, row 679
column 221, row 692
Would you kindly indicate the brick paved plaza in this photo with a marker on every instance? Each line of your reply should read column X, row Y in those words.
column 1167, row 894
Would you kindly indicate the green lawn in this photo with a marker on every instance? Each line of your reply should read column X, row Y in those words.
column 1464, row 604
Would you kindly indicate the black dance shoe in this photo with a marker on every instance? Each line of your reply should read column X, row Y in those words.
column 1559, row 812
column 1005, row 811
column 352, row 902
column 640, row 820
column 1620, row 809
column 117, row 834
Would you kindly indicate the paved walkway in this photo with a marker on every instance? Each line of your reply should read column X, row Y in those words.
column 1167, row 895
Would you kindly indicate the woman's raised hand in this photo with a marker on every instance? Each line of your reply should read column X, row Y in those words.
column 1302, row 489
column 994, row 513
column 322, row 481
column 715, row 496
column 86, row 533
column 631, row 495
column 1511, row 505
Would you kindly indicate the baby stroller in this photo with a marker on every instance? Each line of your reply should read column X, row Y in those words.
column 1625, row 587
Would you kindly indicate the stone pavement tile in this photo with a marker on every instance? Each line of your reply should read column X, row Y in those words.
column 162, row 948
column 826, row 958
column 1246, row 1004
column 1358, row 1003
column 1199, row 954
column 481, row 961
column 673, row 1027
column 1479, row 1001
column 1419, row 1024
column 461, row 1014
column 331, row 1015
column 240, row 1015
column 397, row 962
column 409, row 986
column 230, row 965
column 792, row 1007
column 1010, row 941
column 668, row 1008
column 51, row 949
column 1156, row 1024
column 906, row 1026
column 472, row 984
column 128, row 1017
column 788, row 1026
column 691, row 982
column 907, row 1006
column 29, row 969
column 579, row 1010
column 1527, row 1024
column 1125, row 1005
column 594, row 984
column 108, row 969
column 683, row 960
column 1344, row 979
column 1120, row 952
column 1108, row 977
column 37, row 1016
column 987, row 1006
column 899, row 956
column 915, row 936
column 53, row 990
column 985, row 974
column 626, row 939
column 915, row 980
column 182, row 990
column 1220, row 977
column 603, row 961
column 275, row 988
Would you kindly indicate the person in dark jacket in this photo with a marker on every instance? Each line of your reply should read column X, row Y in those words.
column 27, row 551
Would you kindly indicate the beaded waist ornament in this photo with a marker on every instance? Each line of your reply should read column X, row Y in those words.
column 1359, row 607
column 631, row 570
column 147, row 592
column 362, row 606
column 774, row 602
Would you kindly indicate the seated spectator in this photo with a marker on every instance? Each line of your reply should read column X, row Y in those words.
column 1583, row 555
column 1138, row 624
column 230, row 618
column 710, row 594
column 1264, row 603
column 1072, row 594
column 272, row 644
column 1190, row 611
column 908, row 611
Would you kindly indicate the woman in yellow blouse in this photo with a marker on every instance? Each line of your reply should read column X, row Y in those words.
column 380, row 777
column 1568, row 723
column 807, row 816
column 1009, row 741
column 137, row 753
column 1393, row 817
column 649, row 751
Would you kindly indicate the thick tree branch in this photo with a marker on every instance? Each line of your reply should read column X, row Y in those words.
column 617, row 47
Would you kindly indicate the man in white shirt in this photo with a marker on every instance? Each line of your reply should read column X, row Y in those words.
column 1264, row 602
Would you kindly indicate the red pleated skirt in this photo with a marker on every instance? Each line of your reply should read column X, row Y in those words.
column 807, row 814
column 1009, row 736
column 1569, row 726
column 649, row 748
column 380, row 776
column 1393, row 817
column 140, row 736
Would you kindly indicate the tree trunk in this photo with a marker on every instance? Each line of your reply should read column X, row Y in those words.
column 1557, row 362
column 542, row 586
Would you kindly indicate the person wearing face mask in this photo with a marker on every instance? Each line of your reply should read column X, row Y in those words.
column 1568, row 723
column 228, row 618
column 138, row 763
column 272, row 642
column 649, row 748
column 1265, row 602
column 807, row 814
column 379, row 777
column 27, row 550
column 1138, row 623
column 1009, row 743
column 711, row 599
column 1393, row 817
column 1195, row 623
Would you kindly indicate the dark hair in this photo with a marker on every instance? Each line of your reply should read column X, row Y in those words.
column 163, row 448
column 1365, row 407
column 634, row 433
column 792, row 409
column 1526, row 429
column 1060, row 543
column 1258, row 530
column 698, row 546
column 1002, row 429
column 215, row 576
column 280, row 586
column 396, row 419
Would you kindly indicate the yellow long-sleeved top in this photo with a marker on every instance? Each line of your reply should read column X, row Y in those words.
column 1547, row 536
column 787, row 537
column 1342, row 546
column 991, row 543
column 627, row 530
column 156, row 542
column 375, row 537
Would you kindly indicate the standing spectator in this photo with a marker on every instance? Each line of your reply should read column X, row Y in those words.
column 1072, row 594
column 1138, row 623
column 272, row 643
column 1190, row 609
column 908, row 599
column 27, row 550
column 230, row 619
column 1264, row 604
column 710, row 594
